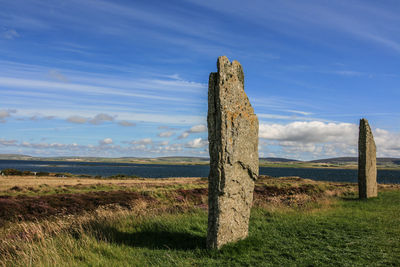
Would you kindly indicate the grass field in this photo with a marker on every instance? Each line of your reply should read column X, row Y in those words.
column 163, row 223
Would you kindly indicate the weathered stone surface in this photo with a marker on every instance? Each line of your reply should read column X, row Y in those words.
column 233, row 147
column 367, row 185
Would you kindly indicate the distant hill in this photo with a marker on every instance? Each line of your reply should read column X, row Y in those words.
column 336, row 160
column 194, row 160
column 347, row 160
column 15, row 156
column 101, row 159
column 278, row 160
column 183, row 159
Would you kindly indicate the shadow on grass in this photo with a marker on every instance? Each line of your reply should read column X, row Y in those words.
column 152, row 239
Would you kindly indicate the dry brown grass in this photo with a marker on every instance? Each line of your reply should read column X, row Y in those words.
column 25, row 241
column 28, row 241
column 7, row 182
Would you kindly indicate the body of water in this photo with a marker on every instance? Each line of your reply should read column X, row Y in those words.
column 165, row 171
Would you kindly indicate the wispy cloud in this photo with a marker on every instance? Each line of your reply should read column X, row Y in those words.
column 77, row 119
column 81, row 88
column 4, row 142
column 200, row 128
column 5, row 114
column 73, row 48
column 299, row 19
column 58, row 76
column 39, row 117
column 126, row 123
column 100, row 118
column 144, row 141
column 166, row 134
column 107, row 64
column 283, row 104
column 10, row 34
column 293, row 117
column 123, row 115
column 85, row 93
column 183, row 135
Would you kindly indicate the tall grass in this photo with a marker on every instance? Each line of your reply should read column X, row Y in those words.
column 339, row 232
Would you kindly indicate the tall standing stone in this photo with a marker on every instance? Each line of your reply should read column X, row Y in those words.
column 367, row 185
column 233, row 147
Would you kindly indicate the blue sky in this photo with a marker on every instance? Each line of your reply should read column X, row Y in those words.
column 129, row 78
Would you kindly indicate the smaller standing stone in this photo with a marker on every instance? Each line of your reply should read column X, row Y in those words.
column 367, row 185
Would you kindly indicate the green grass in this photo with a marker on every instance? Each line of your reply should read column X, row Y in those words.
column 346, row 232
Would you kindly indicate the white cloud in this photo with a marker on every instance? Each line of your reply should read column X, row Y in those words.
column 200, row 128
column 313, row 139
column 77, row 119
column 196, row 143
column 387, row 143
column 144, row 141
column 126, row 123
column 183, row 135
column 310, row 132
column 106, row 141
column 100, row 118
column 166, row 134
column 318, row 139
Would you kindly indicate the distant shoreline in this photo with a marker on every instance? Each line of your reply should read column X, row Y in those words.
column 334, row 163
